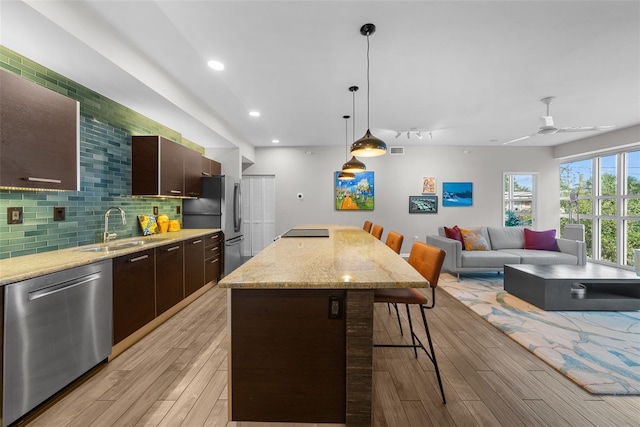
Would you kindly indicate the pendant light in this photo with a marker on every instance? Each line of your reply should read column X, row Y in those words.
column 368, row 145
column 354, row 165
column 346, row 176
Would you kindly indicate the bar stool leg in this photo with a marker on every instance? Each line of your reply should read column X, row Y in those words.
column 432, row 356
column 413, row 335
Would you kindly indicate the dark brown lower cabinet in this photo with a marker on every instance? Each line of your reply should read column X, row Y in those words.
column 169, row 276
column 193, row 265
column 213, row 257
column 134, row 301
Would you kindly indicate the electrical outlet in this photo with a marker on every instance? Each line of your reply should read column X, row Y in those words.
column 58, row 213
column 155, row 210
column 178, row 210
column 415, row 238
column 14, row 215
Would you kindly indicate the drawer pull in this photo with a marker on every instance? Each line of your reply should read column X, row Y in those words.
column 214, row 261
column 139, row 258
column 51, row 181
column 195, row 242
column 214, row 249
column 173, row 248
column 175, row 192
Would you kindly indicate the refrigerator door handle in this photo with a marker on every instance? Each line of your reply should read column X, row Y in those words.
column 234, row 241
column 236, row 207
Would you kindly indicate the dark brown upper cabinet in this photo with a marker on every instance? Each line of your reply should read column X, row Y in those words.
column 39, row 136
column 192, row 177
column 160, row 167
column 210, row 167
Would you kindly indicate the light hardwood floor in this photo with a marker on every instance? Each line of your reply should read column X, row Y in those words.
column 177, row 376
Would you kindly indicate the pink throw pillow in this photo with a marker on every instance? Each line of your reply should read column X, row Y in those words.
column 543, row 240
column 454, row 233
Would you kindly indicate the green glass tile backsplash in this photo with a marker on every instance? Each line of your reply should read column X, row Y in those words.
column 105, row 173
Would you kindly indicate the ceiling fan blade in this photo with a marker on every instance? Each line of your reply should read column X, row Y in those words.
column 585, row 128
column 522, row 138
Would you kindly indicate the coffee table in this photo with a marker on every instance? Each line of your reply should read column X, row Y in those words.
column 549, row 286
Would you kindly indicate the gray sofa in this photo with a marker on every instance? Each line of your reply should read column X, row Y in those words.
column 507, row 247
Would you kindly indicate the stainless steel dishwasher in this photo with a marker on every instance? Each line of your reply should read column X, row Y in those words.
column 56, row 328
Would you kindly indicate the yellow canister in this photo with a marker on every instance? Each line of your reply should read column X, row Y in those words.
column 163, row 223
column 174, row 225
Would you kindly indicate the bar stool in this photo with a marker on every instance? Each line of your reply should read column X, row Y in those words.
column 394, row 241
column 367, row 226
column 427, row 260
column 376, row 231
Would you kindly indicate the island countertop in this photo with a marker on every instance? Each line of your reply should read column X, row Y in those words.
column 349, row 258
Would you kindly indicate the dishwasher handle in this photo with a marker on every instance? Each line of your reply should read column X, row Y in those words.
column 63, row 286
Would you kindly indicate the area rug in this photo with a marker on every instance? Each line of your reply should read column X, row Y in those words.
column 600, row 351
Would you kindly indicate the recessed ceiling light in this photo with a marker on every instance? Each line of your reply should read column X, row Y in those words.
column 254, row 113
column 275, row 141
column 216, row 65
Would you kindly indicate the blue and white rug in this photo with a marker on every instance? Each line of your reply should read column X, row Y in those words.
column 600, row 351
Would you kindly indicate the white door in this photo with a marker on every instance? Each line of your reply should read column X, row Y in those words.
column 259, row 213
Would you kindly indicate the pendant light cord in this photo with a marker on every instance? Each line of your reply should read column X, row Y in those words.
column 346, row 138
column 368, row 127
column 353, row 113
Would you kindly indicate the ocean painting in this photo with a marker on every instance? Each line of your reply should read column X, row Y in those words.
column 457, row 194
column 357, row 194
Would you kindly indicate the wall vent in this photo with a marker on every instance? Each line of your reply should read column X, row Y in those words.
column 396, row 151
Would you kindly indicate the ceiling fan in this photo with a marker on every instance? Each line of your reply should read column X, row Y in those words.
column 548, row 128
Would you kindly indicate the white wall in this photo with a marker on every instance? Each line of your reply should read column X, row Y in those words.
column 398, row 177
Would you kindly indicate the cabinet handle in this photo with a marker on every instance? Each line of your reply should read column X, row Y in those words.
column 214, row 249
column 195, row 242
column 173, row 248
column 206, row 174
column 175, row 192
column 214, row 261
column 139, row 258
column 51, row 181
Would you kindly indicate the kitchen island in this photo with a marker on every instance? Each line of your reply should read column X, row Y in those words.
column 301, row 326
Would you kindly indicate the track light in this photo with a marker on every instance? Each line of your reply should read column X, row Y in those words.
column 419, row 133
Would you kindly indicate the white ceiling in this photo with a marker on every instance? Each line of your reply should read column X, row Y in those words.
column 472, row 72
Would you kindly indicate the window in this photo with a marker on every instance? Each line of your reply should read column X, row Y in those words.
column 606, row 199
column 519, row 199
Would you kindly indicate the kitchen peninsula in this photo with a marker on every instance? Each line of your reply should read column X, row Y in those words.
column 301, row 326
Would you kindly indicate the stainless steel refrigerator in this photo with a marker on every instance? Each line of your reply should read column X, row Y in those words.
column 219, row 207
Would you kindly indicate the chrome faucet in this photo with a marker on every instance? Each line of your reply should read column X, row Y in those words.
column 106, row 236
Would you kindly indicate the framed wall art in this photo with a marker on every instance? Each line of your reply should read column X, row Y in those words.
column 357, row 194
column 428, row 185
column 457, row 194
column 423, row 204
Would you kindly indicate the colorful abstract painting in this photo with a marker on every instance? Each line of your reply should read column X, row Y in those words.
column 357, row 194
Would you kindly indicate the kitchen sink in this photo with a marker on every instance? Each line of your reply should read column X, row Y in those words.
column 93, row 249
column 114, row 246
column 123, row 245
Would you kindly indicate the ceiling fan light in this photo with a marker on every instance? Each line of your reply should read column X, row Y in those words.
column 354, row 166
column 547, row 130
column 346, row 176
column 368, row 146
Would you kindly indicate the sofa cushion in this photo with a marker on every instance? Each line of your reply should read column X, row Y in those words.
column 542, row 240
column 475, row 239
column 506, row 237
column 454, row 233
column 541, row 257
column 488, row 259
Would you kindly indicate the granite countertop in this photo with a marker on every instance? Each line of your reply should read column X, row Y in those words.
column 349, row 258
column 29, row 266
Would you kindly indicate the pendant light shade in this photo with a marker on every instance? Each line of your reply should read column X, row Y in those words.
column 368, row 145
column 346, row 175
column 354, row 165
